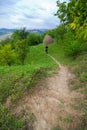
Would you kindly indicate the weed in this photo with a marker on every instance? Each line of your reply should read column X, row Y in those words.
column 56, row 128
column 9, row 121
column 68, row 120
column 31, row 118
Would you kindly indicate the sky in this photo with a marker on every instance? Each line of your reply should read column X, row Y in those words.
column 32, row 14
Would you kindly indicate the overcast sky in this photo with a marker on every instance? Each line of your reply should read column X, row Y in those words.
column 32, row 14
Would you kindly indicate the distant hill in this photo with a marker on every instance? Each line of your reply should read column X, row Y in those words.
column 7, row 31
column 4, row 31
column 40, row 31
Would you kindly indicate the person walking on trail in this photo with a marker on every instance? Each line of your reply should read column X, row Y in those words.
column 46, row 49
column 47, row 41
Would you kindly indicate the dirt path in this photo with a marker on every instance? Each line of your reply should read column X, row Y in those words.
column 52, row 103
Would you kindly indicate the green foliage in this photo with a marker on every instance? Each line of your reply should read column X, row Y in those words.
column 34, row 39
column 83, row 77
column 74, row 14
column 59, row 33
column 21, row 48
column 80, row 70
column 6, row 41
column 49, row 32
column 73, row 48
column 61, row 12
column 8, row 121
column 68, row 120
column 57, row 128
column 7, row 55
column 31, row 118
column 19, row 34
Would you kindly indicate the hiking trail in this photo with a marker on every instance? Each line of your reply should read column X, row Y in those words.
column 52, row 102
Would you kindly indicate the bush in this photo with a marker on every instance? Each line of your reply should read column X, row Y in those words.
column 19, row 34
column 7, row 55
column 21, row 48
column 73, row 48
column 34, row 39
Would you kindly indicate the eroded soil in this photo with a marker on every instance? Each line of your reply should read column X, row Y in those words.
column 52, row 102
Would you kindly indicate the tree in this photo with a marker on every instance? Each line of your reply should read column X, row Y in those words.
column 34, row 39
column 59, row 33
column 21, row 48
column 7, row 55
column 20, row 34
column 62, row 11
column 74, row 14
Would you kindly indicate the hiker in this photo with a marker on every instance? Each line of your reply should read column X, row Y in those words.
column 46, row 49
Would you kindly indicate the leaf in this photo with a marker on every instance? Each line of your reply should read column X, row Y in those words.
column 73, row 25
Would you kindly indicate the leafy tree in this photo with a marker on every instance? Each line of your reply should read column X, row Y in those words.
column 73, row 48
column 62, row 11
column 20, row 34
column 7, row 55
column 51, row 33
column 21, row 48
column 74, row 14
column 34, row 39
column 60, row 32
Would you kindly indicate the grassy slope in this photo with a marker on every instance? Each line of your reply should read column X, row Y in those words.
column 15, row 80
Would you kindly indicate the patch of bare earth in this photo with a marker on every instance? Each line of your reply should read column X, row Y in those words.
column 52, row 102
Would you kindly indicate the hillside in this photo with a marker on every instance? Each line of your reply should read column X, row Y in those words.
column 5, row 31
column 41, row 89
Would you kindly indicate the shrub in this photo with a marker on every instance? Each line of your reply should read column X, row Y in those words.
column 7, row 55
column 34, row 39
column 73, row 48
column 19, row 34
column 21, row 48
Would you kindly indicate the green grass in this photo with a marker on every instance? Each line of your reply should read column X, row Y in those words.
column 15, row 80
column 68, row 120
column 57, row 51
column 56, row 128
column 10, row 122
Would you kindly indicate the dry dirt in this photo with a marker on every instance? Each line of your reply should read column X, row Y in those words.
column 52, row 102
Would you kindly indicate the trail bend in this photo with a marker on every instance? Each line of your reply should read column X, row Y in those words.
column 52, row 102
